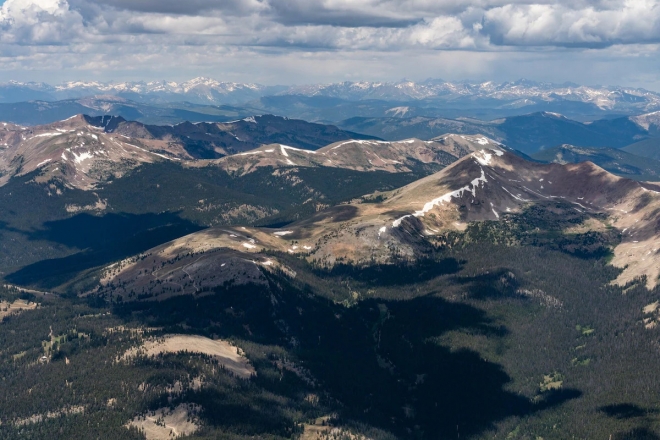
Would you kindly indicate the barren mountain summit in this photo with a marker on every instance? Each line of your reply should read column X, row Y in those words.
column 76, row 152
column 362, row 155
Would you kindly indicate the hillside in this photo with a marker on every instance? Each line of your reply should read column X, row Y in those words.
column 489, row 185
column 413, row 311
column 527, row 133
column 360, row 155
column 647, row 148
column 88, row 174
column 77, row 151
column 213, row 140
column 84, row 151
column 393, row 129
column 536, row 131
column 468, row 271
column 616, row 161
column 41, row 112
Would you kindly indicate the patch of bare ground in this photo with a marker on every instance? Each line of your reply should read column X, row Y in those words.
column 196, row 384
column 322, row 429
column 37, row 418
column 638, row 254
column 18, row 306
column 100, row 205
column 166, row 423
column 651, row 315
column 543, row 298
column 227, row 355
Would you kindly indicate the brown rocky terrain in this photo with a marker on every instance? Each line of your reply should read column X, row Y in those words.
column 359, row 155
column 401, row 224
column 83, row 151
column 76, row 152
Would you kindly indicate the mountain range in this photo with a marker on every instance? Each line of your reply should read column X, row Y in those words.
column 200, row 90
column 528, row 133
column 332, row 102
column 404, row 224
column 84, row 150
column 275, row 278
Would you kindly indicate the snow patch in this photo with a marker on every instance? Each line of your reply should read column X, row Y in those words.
column 45, row 135
column 249, row 245
column 151, row 152
column 398, row 111
column 364, row 142
column 286, row 147
column 83, row 156
column 514, row 196
column 43, row 163
column 482, row 157
column 282, row 233
column 445, row 198
column 493, row 208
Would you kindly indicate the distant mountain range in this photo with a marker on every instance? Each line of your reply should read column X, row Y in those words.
column 46, row 112
column 403, row 98
column 198, row 90
column 517, row 94
column 527, row 133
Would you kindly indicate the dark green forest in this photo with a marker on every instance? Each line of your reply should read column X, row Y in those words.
column 510, row 329
column 499, row 334
column 43, row 245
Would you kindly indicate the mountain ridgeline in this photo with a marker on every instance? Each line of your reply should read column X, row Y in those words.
column 432, row 94
column 275, row 278
column 528, row 133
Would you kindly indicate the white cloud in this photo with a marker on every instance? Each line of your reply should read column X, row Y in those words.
column 113, row 35
column 26, row 22
column 625, row 22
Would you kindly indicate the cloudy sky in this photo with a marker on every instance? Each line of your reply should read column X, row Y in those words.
column 307, row 41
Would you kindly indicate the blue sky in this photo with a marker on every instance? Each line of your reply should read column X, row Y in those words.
column 307, row 41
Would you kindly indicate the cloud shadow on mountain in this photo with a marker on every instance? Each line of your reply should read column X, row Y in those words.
column 100, row 240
